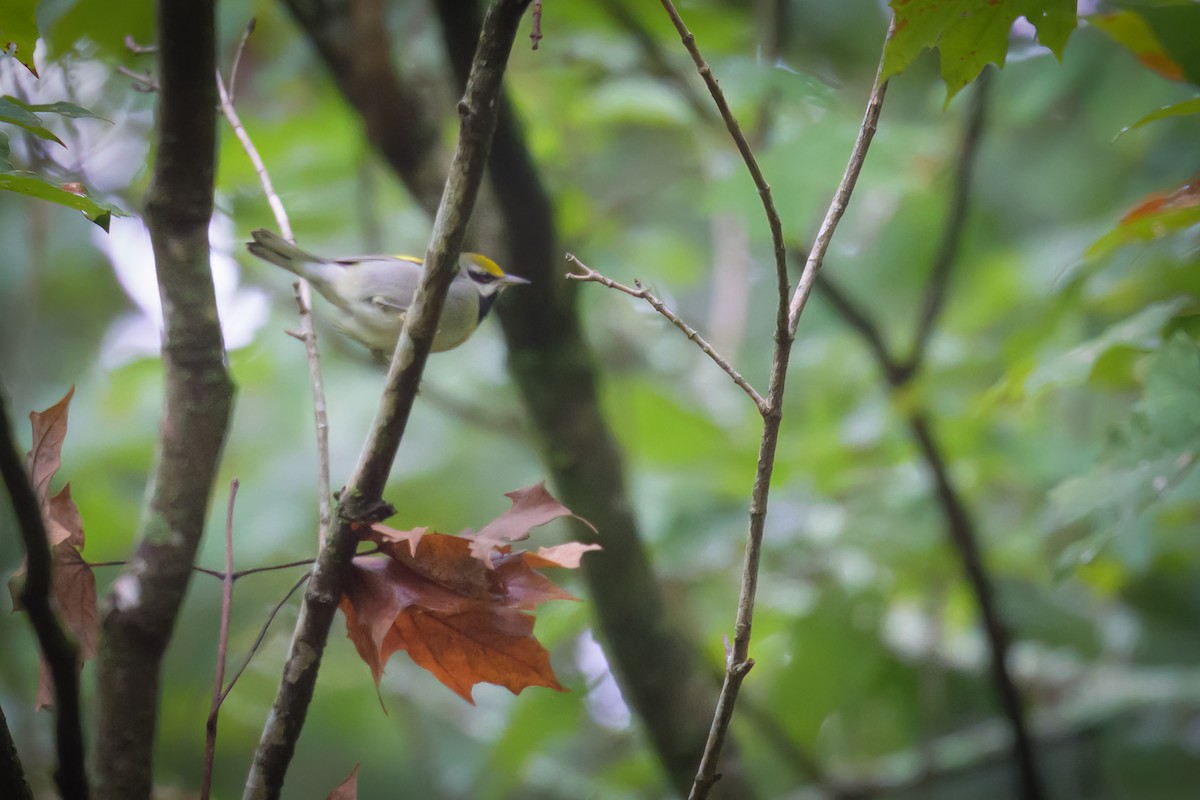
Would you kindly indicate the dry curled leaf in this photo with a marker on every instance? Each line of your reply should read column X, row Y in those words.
column 73, row 585
column 458, row 615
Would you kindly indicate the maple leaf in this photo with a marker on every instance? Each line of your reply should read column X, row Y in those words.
column 347, row 789
column 73, row 585
column 531, row 507
column 460, row 617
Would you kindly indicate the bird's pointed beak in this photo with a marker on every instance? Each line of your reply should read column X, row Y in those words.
column 512, row 280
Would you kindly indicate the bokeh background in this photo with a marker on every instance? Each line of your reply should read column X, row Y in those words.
column 1064, row 393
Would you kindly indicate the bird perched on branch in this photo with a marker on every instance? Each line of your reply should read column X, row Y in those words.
column 372, row 294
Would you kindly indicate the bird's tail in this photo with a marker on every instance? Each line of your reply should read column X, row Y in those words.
column 272, row 247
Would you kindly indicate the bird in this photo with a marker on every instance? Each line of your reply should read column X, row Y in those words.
column 371, row 294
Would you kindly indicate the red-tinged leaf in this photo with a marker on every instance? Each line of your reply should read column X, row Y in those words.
column 49, row 432
column 445, row 560
column 1158, row 215
column 378, row 591
column 532, row 507
column 431, row 597
column 487, row 644
column 1131, row 31
column 347, row 789
column 523, row 588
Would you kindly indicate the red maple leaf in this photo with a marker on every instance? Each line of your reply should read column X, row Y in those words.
column 458, row 605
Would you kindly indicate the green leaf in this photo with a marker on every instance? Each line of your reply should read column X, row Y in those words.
column 1146, row 459
column 1132, row 32
column 5, row 160
column 1158, row 215
column 1141, row 332
column 36, row 186
column 970, row 34
column 62, row 108
column 1177, row 27
column 17, row 113
column 1180, row 109
column 18, row 30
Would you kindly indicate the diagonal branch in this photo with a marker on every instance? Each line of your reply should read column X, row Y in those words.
column 743, row 146
column 934, row 298
column 841, row 198
column 59, row 650
column 362, row 498
column 641, row 292
column 308, row 331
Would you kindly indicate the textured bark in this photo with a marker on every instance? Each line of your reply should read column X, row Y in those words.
column 361, row 499
column 145, row 599
column 551, row 364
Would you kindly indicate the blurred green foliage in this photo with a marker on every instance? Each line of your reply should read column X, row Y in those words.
column 1064, row 392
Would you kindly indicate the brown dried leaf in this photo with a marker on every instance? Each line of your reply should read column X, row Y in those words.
column 532, row 507
column 459, row 619
column 49, row 432
column 73, row 585
column 487, row 644
column 347, row 789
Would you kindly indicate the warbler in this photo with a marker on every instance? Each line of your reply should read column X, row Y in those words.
column 371, row 294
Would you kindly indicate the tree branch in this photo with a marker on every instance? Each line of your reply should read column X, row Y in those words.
column 743, row 146
column 738, row 661
column 642, row 293
column 12, row 775
column 145, row 598
column 361, row 500
column 553, row 367
column 934, row 298
column 60, row 652
column 841, row 198
column 308, row 331
column 210, row 738
column 960, row 527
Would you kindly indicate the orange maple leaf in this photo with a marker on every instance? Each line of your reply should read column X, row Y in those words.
column 459, row 612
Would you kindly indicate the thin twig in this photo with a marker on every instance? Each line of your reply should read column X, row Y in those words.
column 142, row 81
column 934, row 298
column 590, row 275
column 738, row 661
column 535, row 33
column 237, row 57
column 304, row 562
column 262, row 634
column 658, row 60
column 743, row 146
column 60, row 652
column 139, row 49
column 210, row 731
column 303, row 301
column 841, row 198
